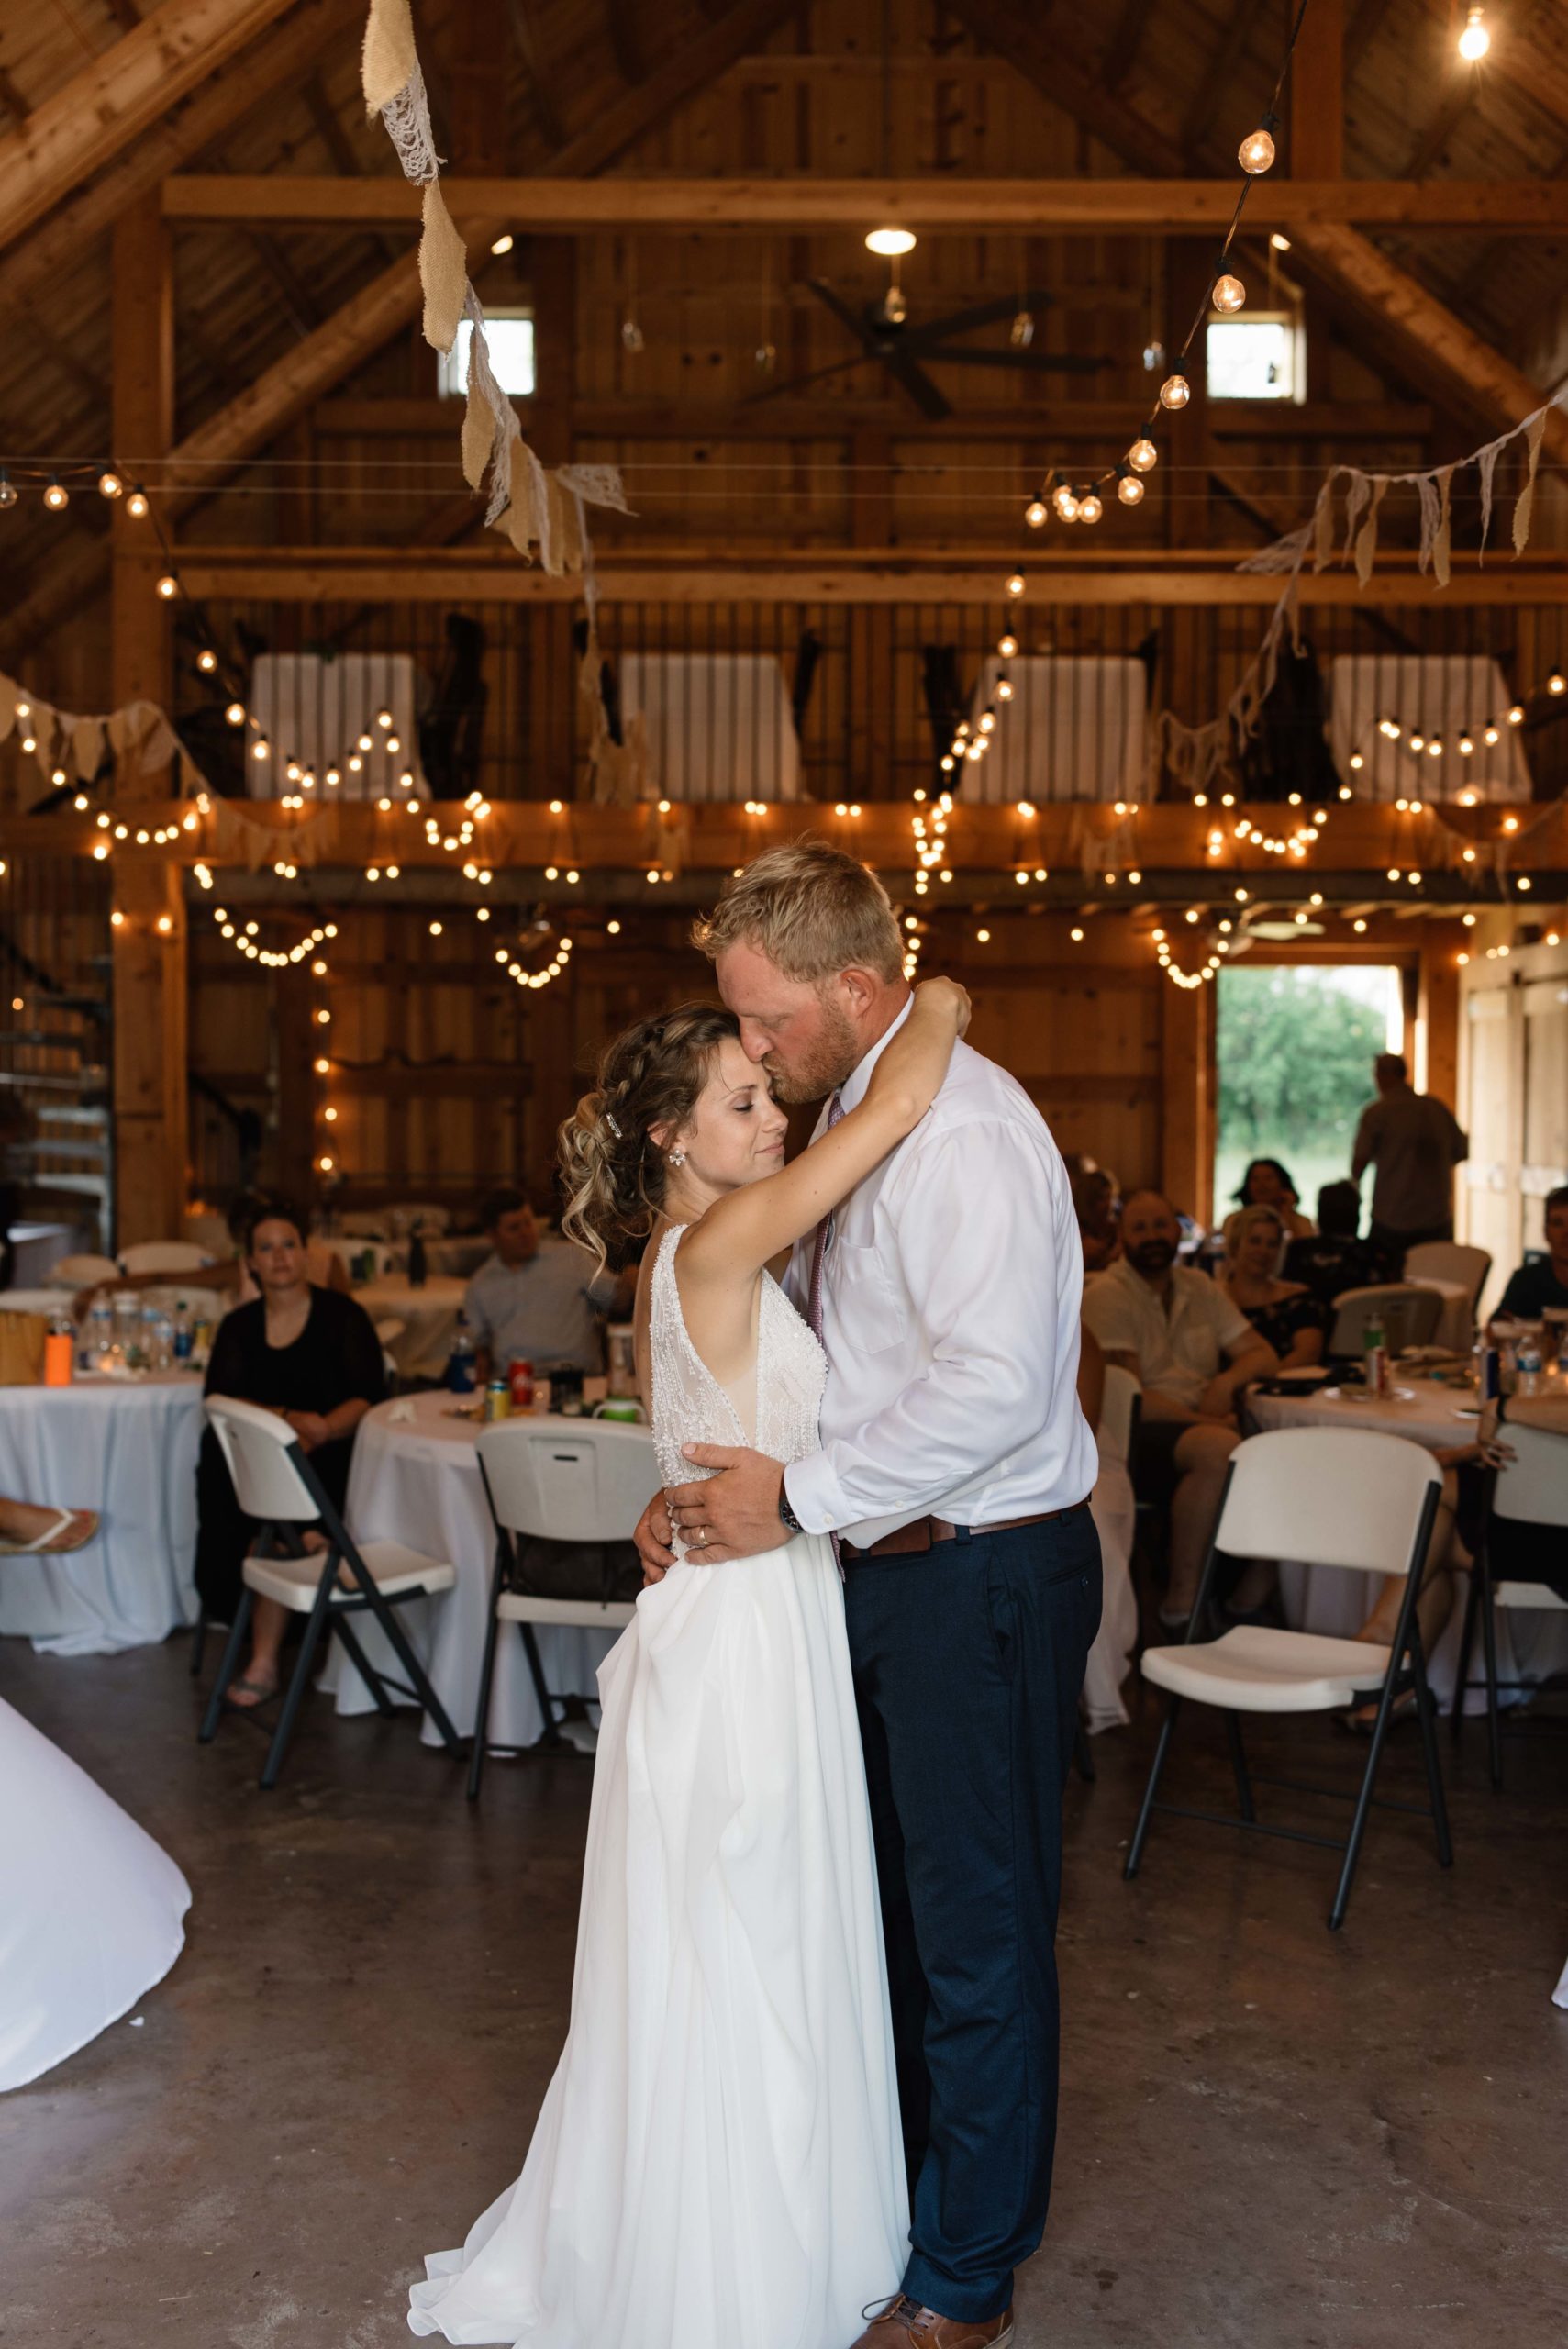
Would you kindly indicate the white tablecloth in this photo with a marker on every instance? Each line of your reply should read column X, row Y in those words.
column 428, row 1315
column 1328, row 1600
column 128, row 1450
column 1440, row 694
column 315, row 710
column 418, row 1482
column 718, row 725
column 1073, row 729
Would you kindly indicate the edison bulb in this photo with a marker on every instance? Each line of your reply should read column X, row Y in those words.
column 1066, row 504
column 135, row 504
column 206, row 660
column 1474, row 41
column 1130, row 489
column 1035, row 515
column 168, row 586
column 1089, row 508
column 1006, row 646
column 890, row 242
column 1004, row 689
column 109, row 484
column 55, row 499
column 7, row 493
column 1015, row 583
column 235, row 713
column 1176, row 391
column 1229, row 293
column 1256, row 152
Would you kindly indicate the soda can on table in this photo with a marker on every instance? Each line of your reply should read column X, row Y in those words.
column 520, row 1380
column 497, row 1401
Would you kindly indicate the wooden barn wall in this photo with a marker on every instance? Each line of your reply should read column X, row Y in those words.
column 450, row 1079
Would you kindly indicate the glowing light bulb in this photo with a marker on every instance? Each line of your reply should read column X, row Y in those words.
column 1065, row 503
column 1256, row 152
column 109, row 484
column 502, row 244
column 1229, row 293
column 890, row 242
column 1089, row 508
column 55, row 499
column 1143, row 455
column 1176, row 391
column 1035, row 514
column 136, row 504
column 1474, row 41
column 1130, row 489
column 1015, row 583
column 168, row 586
column 1555, row 684
column 1006, row 646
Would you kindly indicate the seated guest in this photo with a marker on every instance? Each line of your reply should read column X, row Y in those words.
column 532, row 1297
column 1332, row 1259
column 1096, row 1208
column 312, row 1355
column 1266, row 1184
column 1542, row 1287
column 1193, row 1350
column 1284, row 1312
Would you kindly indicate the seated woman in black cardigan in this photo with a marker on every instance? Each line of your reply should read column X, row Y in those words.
column 312, row 1355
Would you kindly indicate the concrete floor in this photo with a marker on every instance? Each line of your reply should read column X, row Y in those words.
column 1270, row 2135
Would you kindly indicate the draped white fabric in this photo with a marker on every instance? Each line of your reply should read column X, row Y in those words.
column 1075, row 729
column 416, row 1480
column 91, row 1913
column 128, row 1450
column 1114, row 1510
column 1440, row 694
column 315, row 710
column 718, row 725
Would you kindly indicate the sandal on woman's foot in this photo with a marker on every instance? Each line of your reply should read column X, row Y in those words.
column 70, row 1528
column 252, row 1689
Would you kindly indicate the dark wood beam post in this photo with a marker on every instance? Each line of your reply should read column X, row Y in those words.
column 148, row 943
column 1318, row 94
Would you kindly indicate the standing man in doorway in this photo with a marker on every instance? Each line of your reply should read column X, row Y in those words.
column 1415, row 1143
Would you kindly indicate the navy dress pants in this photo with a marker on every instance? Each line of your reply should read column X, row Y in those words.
column 968, row 1662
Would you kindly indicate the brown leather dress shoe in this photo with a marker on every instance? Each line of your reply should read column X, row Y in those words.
column 903, row 2324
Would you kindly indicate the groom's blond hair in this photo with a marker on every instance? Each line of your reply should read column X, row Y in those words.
column 811, row 910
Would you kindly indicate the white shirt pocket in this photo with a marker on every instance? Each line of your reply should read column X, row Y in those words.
column 867, row 1301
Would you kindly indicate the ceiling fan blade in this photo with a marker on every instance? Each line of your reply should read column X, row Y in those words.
column 983, row 314
column 913, row 379
column 1066, row 362
column 851, row 320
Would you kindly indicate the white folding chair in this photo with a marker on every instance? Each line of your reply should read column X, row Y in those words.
column 33, row 1300
column 82, row 1272
column 1448, row 1260
column 174, row 1256
column 1525, row 1496
column 1331, row 1497
column 274, row 1483
column 551, row 1485
column 1409, row 1316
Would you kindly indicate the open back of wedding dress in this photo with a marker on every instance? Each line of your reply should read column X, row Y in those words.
column 718, row 2163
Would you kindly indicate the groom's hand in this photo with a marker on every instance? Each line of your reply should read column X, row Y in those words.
column 737, row 1509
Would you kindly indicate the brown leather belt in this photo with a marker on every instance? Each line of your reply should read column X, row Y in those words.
column 925, row 1532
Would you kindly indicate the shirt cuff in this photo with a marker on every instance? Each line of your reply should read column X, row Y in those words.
column 815, row 1494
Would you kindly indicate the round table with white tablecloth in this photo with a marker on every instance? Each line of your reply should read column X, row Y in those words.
column 416, row 1479
column 1323, row 1598
column 428, row 1315
column 127, row 1448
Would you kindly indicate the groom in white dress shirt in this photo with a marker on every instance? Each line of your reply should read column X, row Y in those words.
column 955, row 1471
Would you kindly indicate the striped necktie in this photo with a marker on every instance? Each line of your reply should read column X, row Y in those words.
column 824, row 1236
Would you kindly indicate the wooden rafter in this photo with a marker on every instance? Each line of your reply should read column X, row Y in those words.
column 118, row 97
column 279, row 58
column 1215, row 82
column 541, row 95
column 626, row 41
column 1120, row 52
column 571, row 205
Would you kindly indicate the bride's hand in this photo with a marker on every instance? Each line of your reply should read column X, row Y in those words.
column 947, row 996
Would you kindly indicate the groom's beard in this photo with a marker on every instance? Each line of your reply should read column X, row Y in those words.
column 831, row 1056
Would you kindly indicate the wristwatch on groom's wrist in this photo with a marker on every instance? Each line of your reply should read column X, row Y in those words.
column 786, row 1514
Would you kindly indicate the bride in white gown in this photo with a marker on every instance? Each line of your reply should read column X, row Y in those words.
column 718, row 2163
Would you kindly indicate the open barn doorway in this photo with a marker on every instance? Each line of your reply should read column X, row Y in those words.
column 1295, row 1046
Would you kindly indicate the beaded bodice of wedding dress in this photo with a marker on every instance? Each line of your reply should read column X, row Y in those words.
column 690, row 1405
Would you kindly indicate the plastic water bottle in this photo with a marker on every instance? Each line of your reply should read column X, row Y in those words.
column 184, row 1336
column 1528, row 1365
column 100, row 1346
column 459, row 1361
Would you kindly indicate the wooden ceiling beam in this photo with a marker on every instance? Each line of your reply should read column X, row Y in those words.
column 1120, row 52
column 278, row 60
column 1316, row 95
column 536, row 72
column 559, row 206
column 1213, row 86
column 118, row 97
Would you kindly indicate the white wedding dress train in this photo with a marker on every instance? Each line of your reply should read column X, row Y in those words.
column 91, row 1911
column 718, row 2163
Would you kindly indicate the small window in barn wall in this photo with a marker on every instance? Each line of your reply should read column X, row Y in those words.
column 1257, row 358
column 510, row 335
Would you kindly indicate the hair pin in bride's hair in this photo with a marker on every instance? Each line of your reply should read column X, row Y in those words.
column 612, row 1125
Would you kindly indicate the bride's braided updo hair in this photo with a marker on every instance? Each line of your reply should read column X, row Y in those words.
column 613, row 1170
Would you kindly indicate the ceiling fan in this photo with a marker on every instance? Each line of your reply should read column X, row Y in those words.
column 883, row 333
